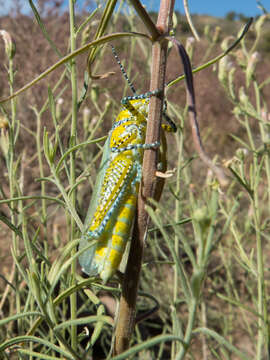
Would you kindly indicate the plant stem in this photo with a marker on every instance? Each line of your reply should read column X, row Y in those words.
column 73, row 135
column 12, row 174
column 178, row 213
column 192, row 307
column 43, row 185
column 127, row 309
column 262, row 320
column 194, row 31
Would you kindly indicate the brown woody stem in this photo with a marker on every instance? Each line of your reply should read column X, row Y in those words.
column 127, row 308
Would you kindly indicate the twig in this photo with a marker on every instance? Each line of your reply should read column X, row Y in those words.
column 127, row 308
column 192, row 27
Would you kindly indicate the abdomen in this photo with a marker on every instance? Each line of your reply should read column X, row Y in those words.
column 112, row 243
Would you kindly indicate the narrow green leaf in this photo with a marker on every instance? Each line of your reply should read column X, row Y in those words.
column 19, row 316
column 34, row 339
column 6, row 221
column 222, row 341
column 242, row 182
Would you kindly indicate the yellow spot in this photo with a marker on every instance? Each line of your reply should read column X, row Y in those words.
column 114, row 258
column 101, row 252
column 117, row 241
column 121, row 227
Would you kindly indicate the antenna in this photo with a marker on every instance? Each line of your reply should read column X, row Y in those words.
column 123, row 70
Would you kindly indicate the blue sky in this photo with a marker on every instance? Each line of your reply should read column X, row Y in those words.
column 214, row 7
column 210, row 7
column 221, row 7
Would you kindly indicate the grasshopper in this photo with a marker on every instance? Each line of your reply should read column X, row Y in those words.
column 114, row 198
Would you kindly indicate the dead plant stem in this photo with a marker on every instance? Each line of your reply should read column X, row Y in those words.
column 127, row 308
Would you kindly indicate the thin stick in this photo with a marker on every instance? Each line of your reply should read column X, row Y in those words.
column 192, row 27
column 127, row 307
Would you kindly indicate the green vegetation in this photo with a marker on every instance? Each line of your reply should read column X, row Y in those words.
column 206, row 261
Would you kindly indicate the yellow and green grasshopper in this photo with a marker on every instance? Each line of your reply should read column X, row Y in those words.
column 112, row 209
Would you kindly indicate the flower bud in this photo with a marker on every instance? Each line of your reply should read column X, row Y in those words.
column 49, row 148
column 86, row 119
column 259, row 23
column 225, row 43
column 243, row 96
column 59, row 104
column 241, row 58
column 4, row 136
column 241, row 153
column 190, row 42
column 94, row 93
column 206, row 30
column 85, row 35
column 252, row 62
column 9, row 44
column 216, row 36
column 224, row 66
column 4, row 125
column 200, row 214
